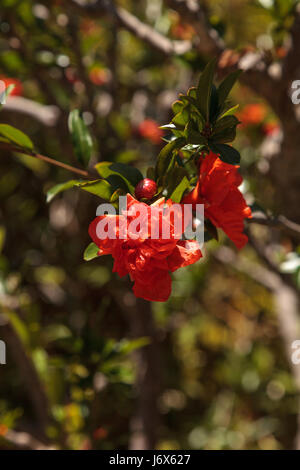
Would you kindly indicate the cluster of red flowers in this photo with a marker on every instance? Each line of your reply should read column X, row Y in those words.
column 149, row 261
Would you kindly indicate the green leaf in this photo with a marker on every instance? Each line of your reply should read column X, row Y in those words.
column 171, row 127
column 58, row 188
column 227, row 153
column 177, row 106
column 55, row 332
column 214, row 104
column 204, row 88
column 178, row 192
column 227, row 85
column 127, row 346
column 225, row 130
column 81, row 138
column 90, row 252
column 230, row 111
column 151, row 173
column 181, row 119
column 193, row 136
column 226, row 122
column 100, row 188
column 130, row 175
column 15, row 136
column 165, row 155
column 224, row 136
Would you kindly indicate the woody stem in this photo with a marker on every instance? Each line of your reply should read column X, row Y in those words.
column 52, row 161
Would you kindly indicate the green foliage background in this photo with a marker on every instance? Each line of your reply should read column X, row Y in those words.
column 226, row 381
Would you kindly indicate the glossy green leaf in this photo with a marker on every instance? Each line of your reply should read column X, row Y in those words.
column 81, row 138
column 130, row 175
column 15, row 136
column 90, row 252
column 227, row 153
column 193, row 136
column 178, row 192
column 225, row 130
column 214, row 104
column 59, row 188
column 230, row 111
column 100, row 188
column 165, row 155
column 227, row 85
column 204, row 88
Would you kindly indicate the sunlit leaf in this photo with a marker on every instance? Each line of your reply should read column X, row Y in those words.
column 15, row 136
column 81, row 138
column 90, row 252
column 59, row 188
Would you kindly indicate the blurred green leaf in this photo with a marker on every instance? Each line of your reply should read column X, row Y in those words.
column 58, row 188
column 15, row 136
column 81, row 138
column 100, row 188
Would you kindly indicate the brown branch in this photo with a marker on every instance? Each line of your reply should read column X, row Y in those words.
column 265, row 258
column 280, row 221
column 145, row 421
column 291, row 61
column 193, row 13
column 286, row 301
column 134, row 25
column 73, row 169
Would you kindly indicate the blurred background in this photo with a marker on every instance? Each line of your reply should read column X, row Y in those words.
column 89, row 366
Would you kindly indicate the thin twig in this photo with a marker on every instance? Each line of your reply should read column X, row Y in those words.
column 31, row 153
column 279, row 221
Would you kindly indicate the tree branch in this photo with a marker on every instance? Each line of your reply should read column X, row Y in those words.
column 35, row 389
column 291, row 62
column 13, row 148
column 134, row 25
column 193, row 13
column 280, row 221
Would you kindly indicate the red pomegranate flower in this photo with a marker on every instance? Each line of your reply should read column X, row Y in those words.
column 224, row 204
column 147, row 260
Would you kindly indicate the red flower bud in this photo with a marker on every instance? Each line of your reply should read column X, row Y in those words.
column 145, row 189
